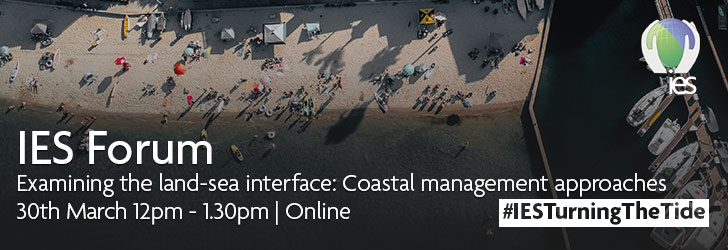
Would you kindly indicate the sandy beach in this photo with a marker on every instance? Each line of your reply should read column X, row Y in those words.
column 356, row 43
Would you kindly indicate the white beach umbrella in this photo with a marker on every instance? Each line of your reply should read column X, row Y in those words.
column 4, row 51
column 274, row 33
column 227, row 34
column 189, row 51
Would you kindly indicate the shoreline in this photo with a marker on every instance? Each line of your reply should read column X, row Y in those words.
column 478, row 111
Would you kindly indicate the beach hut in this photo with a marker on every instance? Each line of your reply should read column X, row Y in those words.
column 227, row 34
column 426, row 16
column 312, row 29
column 274, row 33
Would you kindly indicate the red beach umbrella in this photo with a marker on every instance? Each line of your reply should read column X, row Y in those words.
column 120, row 61
column 180, row 69
column 259, row 87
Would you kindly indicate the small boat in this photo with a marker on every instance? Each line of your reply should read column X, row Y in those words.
column 722, row 18
column 668, row 237
column 125, row 28
column 703, row 238
column 522, row 9
column 151, row 25
column 236, row 152
column 491, row 96
column 646, row 106
column 722, row 148
column 664, row 136
column 429, row 71
column 14, row 74
column 203, row 135
column 676, row 165
column 486, row 93
column 186, row 20
column 540, row 4
column 711, row 120
column 161, row 23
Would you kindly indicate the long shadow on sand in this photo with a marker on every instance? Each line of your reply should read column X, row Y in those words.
column 104, row 85
column 348, row 124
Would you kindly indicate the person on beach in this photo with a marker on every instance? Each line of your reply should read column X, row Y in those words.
column 165, row 117
column 22, row 105
column 10, row 108
column 60, row 108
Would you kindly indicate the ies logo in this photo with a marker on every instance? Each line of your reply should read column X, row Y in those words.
column 671, row 46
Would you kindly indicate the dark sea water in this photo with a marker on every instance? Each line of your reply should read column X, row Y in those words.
column 591, row 79
column 363, row 143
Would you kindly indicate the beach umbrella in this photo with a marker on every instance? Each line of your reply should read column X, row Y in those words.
column 180, row 69
column 265, row 80
column 259, row 87
column 426, row 16
column 189, row 52
column 39, row 28
column 120, row 61
column 4, row 51
column 274, row 33
column 227, row 34
column 312, row 28
column 408, row 69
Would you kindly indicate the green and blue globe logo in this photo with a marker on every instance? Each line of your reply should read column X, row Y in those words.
column 670, row 45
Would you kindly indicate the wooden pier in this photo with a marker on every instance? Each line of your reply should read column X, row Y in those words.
column 712, row 175
column 663, row 9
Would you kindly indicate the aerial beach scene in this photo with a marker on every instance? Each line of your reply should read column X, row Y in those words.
column 444, row 89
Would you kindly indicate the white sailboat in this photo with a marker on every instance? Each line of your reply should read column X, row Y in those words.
column 663, row 137
column 646, row 106
column 677, row 164
column 668, row 237
column 704, row 238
